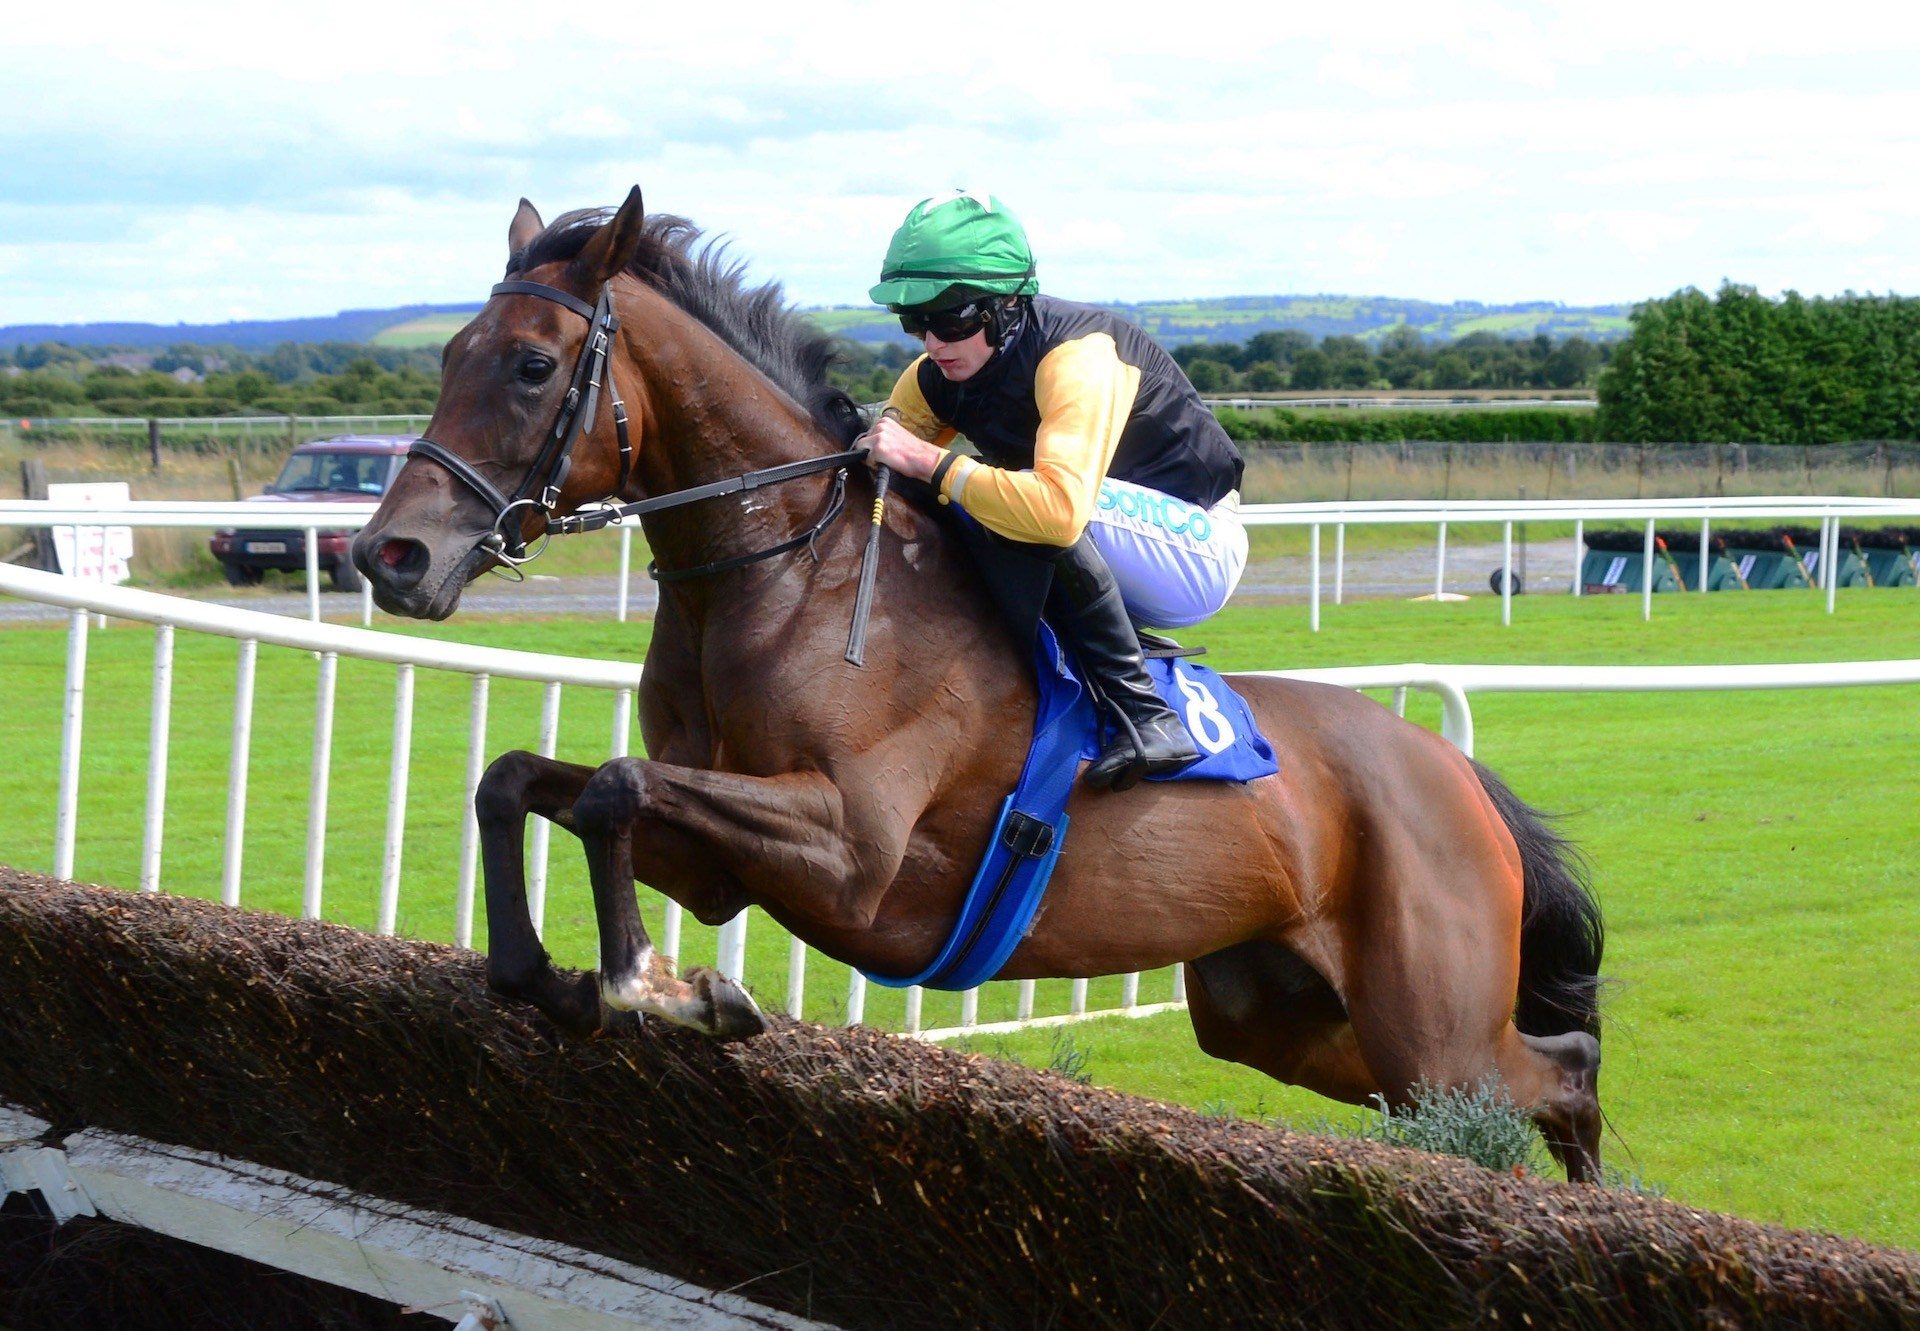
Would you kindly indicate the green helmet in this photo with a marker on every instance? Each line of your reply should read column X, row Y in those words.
column 953, row 240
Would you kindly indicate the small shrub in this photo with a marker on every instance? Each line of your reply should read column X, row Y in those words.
column 1070, row 1059
column 1624, row 1180
column 1480, row 1124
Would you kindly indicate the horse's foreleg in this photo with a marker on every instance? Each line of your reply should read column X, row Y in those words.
column 716, row 838
column 516, row 784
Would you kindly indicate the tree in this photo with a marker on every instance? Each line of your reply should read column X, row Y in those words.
column 1266, row 377
column 1312, row 369
column 1209, row 376
column 1452, row 369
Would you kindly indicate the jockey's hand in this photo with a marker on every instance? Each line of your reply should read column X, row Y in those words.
column 893, row 445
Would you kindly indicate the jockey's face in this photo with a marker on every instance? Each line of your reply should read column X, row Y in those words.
column 961, row 360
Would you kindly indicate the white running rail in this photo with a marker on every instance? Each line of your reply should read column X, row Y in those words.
column 1452, row 684
column 309, row 518
column 1826, row 510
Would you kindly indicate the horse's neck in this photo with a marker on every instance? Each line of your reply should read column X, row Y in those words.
column 709, row 416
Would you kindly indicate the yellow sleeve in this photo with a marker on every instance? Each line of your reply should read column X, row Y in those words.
column 1084, row 392
column 910, row 405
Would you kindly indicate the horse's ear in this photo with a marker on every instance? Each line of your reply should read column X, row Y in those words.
column 526, row 225
column 612, row 246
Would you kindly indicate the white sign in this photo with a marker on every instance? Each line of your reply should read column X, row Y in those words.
column 98, row 554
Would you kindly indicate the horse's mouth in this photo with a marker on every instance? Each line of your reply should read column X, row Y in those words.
column 400, row 571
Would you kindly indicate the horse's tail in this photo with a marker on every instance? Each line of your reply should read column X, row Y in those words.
column 1561, row 934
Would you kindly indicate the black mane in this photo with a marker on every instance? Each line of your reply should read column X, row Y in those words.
column 698, row 277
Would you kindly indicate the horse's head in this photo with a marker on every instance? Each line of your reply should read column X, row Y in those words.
column 518, row 435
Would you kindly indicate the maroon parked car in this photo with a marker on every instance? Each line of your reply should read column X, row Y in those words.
column 353, row 469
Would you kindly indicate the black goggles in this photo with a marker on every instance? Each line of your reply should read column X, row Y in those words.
column 951, row 325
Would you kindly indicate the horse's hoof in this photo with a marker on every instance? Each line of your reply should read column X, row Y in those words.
column 622, row 1023
column 734, row 1014
column 573, row 1005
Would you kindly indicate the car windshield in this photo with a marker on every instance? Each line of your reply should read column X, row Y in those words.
column 339, row 473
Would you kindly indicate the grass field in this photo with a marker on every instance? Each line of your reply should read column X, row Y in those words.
column 432, row 330
column 1754, row 853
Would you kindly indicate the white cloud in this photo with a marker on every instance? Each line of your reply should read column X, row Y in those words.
column 183, row 162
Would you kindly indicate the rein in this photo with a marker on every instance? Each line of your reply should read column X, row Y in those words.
column 556, row 458
column 614, row 514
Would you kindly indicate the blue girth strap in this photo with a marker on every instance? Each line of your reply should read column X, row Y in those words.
column 1027, row 839
column 1026, row 843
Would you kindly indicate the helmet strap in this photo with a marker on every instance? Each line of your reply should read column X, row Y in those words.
column 1006, row 319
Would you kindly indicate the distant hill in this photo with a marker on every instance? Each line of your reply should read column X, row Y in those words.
column 1173, row 322
column 1237, row 318
column 247, row 334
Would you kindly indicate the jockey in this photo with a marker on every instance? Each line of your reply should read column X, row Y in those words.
column 1094, row 451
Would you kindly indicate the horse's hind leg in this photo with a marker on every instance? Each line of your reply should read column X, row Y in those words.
column 516, row 784
column 1259, row 1004
column 1566, row 1072
column 1431, row 995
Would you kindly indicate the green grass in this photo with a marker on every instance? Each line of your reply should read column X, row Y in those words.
column 431, row 330
column 1754, row 854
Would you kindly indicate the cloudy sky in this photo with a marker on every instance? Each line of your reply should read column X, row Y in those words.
column 202, row 162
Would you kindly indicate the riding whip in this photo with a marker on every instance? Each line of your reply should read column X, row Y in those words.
column 869, row 566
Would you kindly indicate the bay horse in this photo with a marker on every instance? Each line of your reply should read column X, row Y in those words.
column 1381, row 917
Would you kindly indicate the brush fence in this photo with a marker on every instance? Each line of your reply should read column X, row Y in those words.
column 611, row 685
column 838, row 1174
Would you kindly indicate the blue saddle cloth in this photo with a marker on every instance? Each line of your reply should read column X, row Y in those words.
column 1032, row 827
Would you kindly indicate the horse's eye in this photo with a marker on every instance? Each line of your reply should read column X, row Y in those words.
column 535, row 369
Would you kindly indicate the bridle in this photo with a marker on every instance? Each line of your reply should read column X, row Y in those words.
column 540, row 488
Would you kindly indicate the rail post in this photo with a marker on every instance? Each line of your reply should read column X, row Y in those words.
column 1506, row 574
column 626, row 566
column 1646, row 576
column 542, row 829
column 397, row 773
column 1313, row 581
column 159, row 727
column 1832, row 525
column 237, row 763
column 313, row 574
column 318, row 784
column 67, row 810
column 1456, row 715
column 470, row 819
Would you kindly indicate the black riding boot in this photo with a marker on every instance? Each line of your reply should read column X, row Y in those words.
column 1084, row 607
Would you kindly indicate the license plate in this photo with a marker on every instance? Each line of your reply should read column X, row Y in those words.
column 266, row 547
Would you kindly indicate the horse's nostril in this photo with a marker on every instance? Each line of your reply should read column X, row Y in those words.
column 402, row 563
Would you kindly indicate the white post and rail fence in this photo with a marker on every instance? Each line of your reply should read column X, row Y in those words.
column 615, row 685
column 1827, row 511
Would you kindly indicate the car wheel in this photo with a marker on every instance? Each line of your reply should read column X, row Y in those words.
column 346, row 578
column 242, row 575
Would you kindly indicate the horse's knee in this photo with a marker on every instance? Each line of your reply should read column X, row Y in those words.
column 501, row 795
column 611, row 797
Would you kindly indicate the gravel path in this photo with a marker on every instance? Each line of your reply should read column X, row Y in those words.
column 1402, row 572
